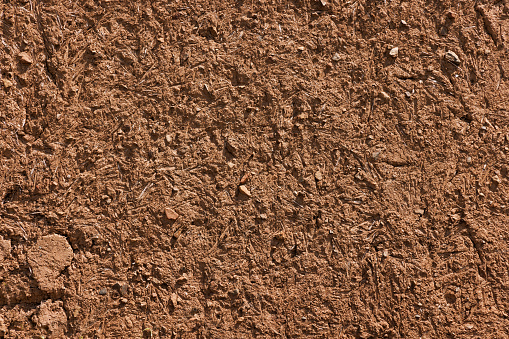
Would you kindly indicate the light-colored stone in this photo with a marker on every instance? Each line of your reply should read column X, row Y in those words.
column 384, row 95
column 244, row 190
column 318, row 176
column 452, row 57
column 174, row 299
column 7, row 83
column 25, row 57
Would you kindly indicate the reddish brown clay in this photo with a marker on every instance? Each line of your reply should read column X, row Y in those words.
column 238, row 169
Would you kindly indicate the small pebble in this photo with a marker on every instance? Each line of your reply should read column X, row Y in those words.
column 234, row 293
column 244, row 190
column 103, row 291
column 170, row 214
column 123, row 290
column 174, row 299
column 244, row 178
column 233, row 146
column 7, row 83
column 419, row 211
column 263, row 216
column 394, row 52
column 384, row 95
column 318, row 176
column 469, row 160
column 25, row 57
column 452, row 58
column 336, row 57
column 182, row 279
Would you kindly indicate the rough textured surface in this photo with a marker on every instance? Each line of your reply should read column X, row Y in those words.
column 51, row 316
column 47, row 259
column 254, row 169
column 5, row 249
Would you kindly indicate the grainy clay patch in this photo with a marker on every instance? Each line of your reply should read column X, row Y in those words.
column 238, row 169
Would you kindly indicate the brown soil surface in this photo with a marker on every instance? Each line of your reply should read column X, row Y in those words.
column 236, row 169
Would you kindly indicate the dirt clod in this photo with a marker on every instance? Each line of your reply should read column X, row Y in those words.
column 234, row 146
column 182, row 279
column 170, row 214
column 25, row 58
column 244, row 178
column 7, row 83
column 51, row 316
column 124, row 290
column 174, row 299
column 5, row 248
column 48, row 258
